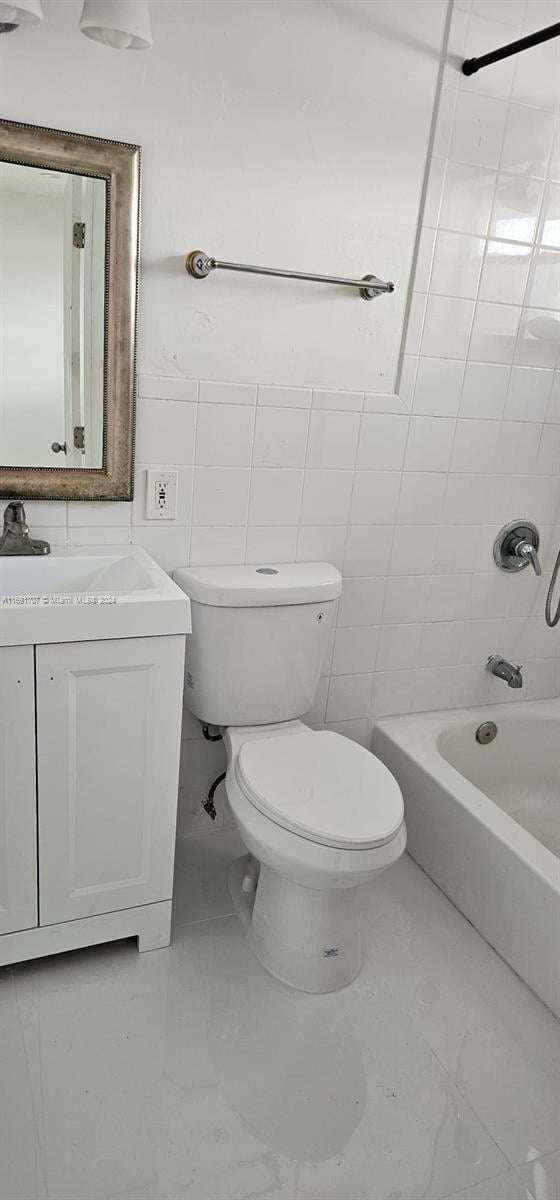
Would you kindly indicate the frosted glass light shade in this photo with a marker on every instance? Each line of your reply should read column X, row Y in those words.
column 25, row 12
column 121, row 24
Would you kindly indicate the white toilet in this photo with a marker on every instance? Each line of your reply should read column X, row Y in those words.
column 318, row 813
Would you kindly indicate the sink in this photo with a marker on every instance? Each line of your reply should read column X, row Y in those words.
column 77, row 595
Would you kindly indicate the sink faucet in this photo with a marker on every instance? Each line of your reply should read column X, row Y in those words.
column 15, row 538
column 504, row 670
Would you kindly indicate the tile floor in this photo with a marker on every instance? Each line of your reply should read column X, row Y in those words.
column 190, row 1074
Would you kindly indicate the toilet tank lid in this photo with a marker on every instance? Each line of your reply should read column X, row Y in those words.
column 260, row 585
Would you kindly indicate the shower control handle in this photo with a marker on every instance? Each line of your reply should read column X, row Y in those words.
column 516, row 547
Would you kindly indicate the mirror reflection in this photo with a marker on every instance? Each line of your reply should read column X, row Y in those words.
column 52, row 317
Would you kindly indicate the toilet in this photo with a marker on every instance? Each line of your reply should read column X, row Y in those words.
column 318, row 814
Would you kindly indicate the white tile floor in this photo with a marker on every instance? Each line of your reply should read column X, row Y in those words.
column 190, row 1074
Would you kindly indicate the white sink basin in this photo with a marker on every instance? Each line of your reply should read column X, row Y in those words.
column 76, row 595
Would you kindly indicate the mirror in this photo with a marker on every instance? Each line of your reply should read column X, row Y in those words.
column 68, row 284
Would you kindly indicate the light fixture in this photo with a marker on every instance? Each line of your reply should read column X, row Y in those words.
column 121, row 24
column 25, row 12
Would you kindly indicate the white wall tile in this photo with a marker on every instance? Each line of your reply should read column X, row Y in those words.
column 494, row 332
column 484, row 390
column 93, row 535
column 387, row 402
column 212, row 392
column 421, row 498
column 478, row 130
column 367, row 550
column 516, row 208
column 275, row 497
column 271, row 544
column 333, row 438
column 326, row 497
column 550, row 228
column 361, row 602
column 505, row 272
column 535, row 80
column 221, row 495
column 98, row 512
column 355, row 650
column 382, row 442
column 447, row 327
column 214, row 545
column 544, row 288
column 375, row 497
column 158, row 387
column 467, row 198
column 169, row 547
column 321, row 543
column 224, row 435
column 280, row 437
column 457, row 264
column 528, row 394
column 349, row 696
column 476, row 446
column 429, row 444
column 288, row 397
column 399, row 646
column 527, row 141
column 165, row 432
column 343, row 401
column 553, row 410
column 406, row 599
column 538, row 343
column 438, row 387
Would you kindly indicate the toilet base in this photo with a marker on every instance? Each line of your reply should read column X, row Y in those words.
column 307, row 938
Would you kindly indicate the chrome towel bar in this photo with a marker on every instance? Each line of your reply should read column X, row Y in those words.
column 199, row 265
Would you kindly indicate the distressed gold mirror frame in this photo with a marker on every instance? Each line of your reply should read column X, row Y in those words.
column 118, row 163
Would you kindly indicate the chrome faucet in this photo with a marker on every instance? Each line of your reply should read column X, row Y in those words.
column 504, row 670
column 15, row 538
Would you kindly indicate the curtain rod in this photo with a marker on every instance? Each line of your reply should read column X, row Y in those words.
column 472, row 65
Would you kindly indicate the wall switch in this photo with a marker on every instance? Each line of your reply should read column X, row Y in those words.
column 161, row 495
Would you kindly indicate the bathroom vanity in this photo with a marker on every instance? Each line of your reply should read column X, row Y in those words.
column 91, row 682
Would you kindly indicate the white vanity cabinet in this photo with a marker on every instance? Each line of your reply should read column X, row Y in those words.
column 90, row 743
column 18, row 802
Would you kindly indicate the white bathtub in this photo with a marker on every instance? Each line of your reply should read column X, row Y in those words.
column 463, row 805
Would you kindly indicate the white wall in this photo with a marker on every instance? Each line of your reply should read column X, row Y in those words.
column 31, row 327
column 287, row 134
column 333, row 464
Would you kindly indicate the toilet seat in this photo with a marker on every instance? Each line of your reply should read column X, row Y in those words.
column 323, row 787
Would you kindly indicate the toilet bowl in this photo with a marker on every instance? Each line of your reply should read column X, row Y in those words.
column 318, row 813
column 319, row 816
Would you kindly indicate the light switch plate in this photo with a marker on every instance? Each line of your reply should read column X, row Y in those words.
column 161, row 495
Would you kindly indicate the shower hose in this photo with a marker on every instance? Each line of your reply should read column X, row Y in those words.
column 551, row 619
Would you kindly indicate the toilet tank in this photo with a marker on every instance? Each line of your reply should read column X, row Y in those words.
column 259, row 641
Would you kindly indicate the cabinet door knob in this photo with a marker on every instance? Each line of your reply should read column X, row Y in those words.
column 57, row 447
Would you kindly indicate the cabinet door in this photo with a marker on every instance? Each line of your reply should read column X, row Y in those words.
column 108, row 743
column 18, row 802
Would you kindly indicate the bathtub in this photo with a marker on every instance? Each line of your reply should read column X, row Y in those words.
column 483, row 821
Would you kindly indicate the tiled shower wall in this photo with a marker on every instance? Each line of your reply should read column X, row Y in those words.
column 404, row 493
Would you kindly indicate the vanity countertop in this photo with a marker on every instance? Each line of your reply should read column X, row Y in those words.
column 82, row 594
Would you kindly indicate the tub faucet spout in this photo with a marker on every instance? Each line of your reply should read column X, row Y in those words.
column 505, row 670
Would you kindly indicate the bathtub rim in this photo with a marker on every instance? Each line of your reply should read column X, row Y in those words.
column 415, row 736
